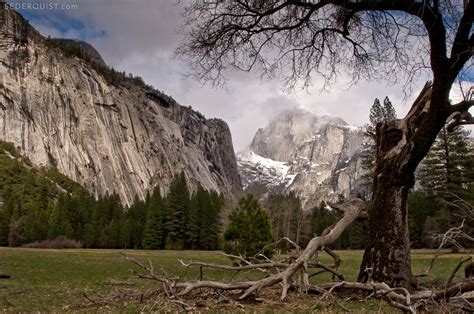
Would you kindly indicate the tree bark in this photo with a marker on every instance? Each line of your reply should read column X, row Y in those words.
column 401, row 145
column 387, row 256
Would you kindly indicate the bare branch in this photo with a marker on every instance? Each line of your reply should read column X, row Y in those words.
column 455, row 270
column 460, row 114
column 229, row 267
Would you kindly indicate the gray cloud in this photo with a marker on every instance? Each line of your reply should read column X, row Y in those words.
column 140, row 37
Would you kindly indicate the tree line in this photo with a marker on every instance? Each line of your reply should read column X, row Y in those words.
column 40, row 204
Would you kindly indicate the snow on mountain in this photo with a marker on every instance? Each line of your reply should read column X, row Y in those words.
column 318, row 158
column 262, row 171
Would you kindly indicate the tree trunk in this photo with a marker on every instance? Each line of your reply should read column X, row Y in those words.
column 388, row 251
column 401, row 145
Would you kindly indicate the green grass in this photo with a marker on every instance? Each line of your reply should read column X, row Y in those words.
column 57, row 279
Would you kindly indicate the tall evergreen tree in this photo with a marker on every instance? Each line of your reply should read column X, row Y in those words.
column 198, row 206
column 422, row 205
column 322, row 218
column 448, row 170
column 354, row 237
column 137, row 215
column 153, row 236
column 447, row 173
column 378, row 114
column 210, row 207
column 177, row 203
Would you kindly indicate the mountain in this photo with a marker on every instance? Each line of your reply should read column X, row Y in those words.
column 317, row 157
column 101, row 128
column 280, row 139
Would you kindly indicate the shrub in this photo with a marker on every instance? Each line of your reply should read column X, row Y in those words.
column 57, row 243
column 249, row 230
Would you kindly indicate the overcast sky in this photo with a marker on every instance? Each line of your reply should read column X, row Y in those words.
column 139, row 36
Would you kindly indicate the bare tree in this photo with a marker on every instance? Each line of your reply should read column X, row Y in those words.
column 392, row 40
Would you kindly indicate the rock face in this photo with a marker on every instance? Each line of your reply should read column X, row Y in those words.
column 280, row 139
column 120, row 138
column 319, row 158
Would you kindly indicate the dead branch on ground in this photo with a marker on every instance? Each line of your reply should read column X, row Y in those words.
column 292, row 273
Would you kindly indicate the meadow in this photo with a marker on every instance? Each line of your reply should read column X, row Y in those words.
column 59, row 280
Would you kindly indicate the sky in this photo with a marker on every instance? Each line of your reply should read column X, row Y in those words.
column 140, row 36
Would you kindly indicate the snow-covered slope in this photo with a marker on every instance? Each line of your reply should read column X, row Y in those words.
column 323, row 158
column 262, row 174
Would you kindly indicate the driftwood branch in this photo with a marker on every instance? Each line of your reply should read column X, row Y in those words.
column 351, row 211
column 231, row 267
column 292, row 273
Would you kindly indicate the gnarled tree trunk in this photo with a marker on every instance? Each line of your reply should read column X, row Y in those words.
column 401, row 145
column 387, row 257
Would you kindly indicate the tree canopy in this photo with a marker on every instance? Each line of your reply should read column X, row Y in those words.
column 297, row 39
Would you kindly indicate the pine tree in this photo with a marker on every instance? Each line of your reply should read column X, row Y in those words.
column 4, row 223
column 90, row 236
column 197, row 205
column 447, row 173
column 448, row 168
column 110, row 215
column 137, row 215
column 177, row 203
column 354, row 237
column 378, row 114
column 248, row 232
column 153, row 236
column 214, row 236
column 210, row 204
column 322, row 218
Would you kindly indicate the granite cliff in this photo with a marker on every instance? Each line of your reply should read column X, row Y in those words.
column 112, row 137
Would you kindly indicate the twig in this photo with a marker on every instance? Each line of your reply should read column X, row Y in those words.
column 326, row 268
column 455, row 270
column 185, row 306
column 451, row 237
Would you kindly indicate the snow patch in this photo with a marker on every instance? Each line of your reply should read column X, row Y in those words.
column 257, row 160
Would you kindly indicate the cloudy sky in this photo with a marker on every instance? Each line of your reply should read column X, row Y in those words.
column 139, row 36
